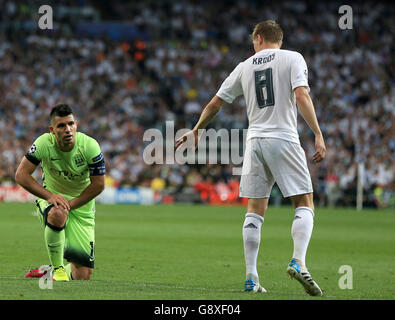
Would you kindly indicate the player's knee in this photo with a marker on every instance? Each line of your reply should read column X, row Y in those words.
column 303, row 200
column 260, row 211
column 57, row 216
column 258, row 206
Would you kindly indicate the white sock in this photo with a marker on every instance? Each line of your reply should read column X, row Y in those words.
column 302, row 228
column 252, row 239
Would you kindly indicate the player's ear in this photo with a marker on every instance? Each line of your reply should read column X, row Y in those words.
column 51, row 129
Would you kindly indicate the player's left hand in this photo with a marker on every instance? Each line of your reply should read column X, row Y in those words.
column 320, row 148
column 58, row 200
column 188, row 140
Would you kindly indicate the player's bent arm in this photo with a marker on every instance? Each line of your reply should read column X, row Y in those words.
column 90, row 192
column 306, row 108
column 23, row 177
column 209, row 112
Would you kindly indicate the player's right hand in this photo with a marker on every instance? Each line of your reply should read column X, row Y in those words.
column 188, row 140
column 320, row 148
column 59, row 201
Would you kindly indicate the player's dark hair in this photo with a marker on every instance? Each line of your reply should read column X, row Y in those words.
column 60, row 110
column 269, row 30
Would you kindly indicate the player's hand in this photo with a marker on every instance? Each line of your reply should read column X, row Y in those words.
column 59, row 201
column 188, row 140
column 320, row 149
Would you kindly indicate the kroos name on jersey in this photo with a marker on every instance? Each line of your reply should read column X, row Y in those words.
column 263, row 60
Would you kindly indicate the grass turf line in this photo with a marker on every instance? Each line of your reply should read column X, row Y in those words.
column 193, row 252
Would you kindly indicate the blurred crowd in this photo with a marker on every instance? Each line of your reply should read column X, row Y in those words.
column 120, row 88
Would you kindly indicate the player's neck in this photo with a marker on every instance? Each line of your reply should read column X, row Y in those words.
column 274, row 46
column 65, row 147
column 268, row 45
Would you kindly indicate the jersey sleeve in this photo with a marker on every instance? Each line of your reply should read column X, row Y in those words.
column 37, row 151
column 95, row 158
column 231, row 88
column 299, row 72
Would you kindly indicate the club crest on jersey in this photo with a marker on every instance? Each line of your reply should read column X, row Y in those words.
column 33, row 148
column 98, row 158
column 79, row 160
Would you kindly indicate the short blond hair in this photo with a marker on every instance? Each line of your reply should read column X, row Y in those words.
column 269, row 30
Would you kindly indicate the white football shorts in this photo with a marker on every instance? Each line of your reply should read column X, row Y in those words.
column 270, row 160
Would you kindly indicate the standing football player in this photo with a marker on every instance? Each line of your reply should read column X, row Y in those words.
column 274, row 84
column 73, row 175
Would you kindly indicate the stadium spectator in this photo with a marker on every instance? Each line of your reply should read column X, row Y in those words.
column 120, row 88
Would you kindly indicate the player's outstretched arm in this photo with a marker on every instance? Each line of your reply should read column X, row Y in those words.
column 90, row 192
column 23, row 177
column 208, row 113
column 306, row 108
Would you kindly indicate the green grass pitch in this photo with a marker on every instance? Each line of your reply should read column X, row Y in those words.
column 177, row 252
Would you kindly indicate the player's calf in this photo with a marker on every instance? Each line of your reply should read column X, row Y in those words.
column 81, row 272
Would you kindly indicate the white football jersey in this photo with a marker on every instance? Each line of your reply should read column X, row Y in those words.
column 267, row 80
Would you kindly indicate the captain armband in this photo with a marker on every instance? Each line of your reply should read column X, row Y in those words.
column 97, row 169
